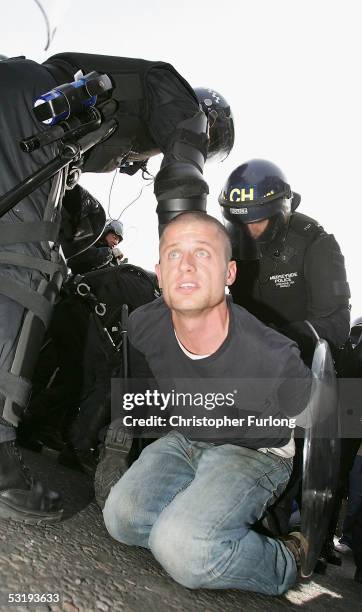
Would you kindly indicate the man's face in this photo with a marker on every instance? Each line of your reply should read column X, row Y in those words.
column 193, row 270
column 258, row 228
column 112, row 239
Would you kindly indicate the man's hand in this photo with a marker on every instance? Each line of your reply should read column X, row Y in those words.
column 117, row 253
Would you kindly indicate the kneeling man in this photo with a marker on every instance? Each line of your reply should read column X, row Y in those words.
column 194, row 502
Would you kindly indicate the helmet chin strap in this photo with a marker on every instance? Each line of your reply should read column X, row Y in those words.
column 274, row 235
column 271, row 241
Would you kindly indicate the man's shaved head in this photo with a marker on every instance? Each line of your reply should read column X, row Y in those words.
column 197, row 217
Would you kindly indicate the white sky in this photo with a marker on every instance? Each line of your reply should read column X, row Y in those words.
column 290, row 70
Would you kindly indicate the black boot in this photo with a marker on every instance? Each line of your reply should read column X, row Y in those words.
column 39, row 439
column 114, row 460
column 22, row 498
column 329, row 553
column 82, row 460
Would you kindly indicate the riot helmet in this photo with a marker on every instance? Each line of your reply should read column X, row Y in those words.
column 255, row 191
column 220, row 120
column 356, row 331
column 114, row 226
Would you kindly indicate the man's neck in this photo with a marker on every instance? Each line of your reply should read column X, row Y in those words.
column 202, row 333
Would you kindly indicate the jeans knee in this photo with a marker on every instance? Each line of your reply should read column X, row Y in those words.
column 119, row 515
column 179, row 552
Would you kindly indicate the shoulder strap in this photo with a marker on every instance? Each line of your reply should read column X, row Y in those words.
column 307, row 228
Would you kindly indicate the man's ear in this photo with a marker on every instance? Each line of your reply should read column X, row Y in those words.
column 231, row 273
column 158, row 274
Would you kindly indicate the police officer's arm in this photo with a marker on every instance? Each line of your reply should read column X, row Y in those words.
column 328, row 295
column 178, row 128
column 328, row 299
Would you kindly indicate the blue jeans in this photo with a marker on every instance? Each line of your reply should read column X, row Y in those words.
column 193, row 504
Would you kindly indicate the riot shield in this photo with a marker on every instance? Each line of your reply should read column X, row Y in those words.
column 321, row 456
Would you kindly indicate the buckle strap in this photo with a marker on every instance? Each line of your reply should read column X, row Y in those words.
column 28, row 261
column 16, row 388
column 30, row 299
column 39, row 231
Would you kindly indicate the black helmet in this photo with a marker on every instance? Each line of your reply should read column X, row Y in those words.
column 114, row 226
column 356, row 331
column 255, row 191
column 221, row 123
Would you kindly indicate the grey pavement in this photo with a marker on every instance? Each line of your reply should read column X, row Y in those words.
column 78, row 560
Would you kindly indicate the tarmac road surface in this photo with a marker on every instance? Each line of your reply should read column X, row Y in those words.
column 78, row 560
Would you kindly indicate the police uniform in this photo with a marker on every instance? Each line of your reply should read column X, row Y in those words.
column 300, row 278
column 155, row 109
column 303, row 278
column 289, row 271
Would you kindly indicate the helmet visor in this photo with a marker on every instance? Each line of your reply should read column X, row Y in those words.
column 221, row 136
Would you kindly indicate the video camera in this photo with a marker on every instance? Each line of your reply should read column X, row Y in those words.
column 71, row 98
column 68, row 110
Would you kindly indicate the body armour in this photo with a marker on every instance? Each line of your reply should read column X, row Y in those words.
column 304, row 278
column 132, row 99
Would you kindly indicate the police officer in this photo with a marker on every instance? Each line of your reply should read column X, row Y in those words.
column 289, row 268
column 289, row 271
column 155, row 111
column 61, row 359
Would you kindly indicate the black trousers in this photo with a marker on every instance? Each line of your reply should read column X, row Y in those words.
column 357, row 539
